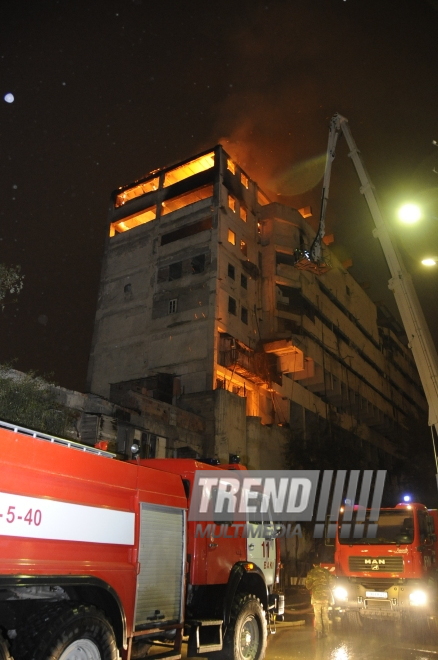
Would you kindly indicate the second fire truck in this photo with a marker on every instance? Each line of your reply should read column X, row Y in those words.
column 393, row 575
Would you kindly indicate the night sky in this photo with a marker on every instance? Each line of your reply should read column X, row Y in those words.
column 105, row 91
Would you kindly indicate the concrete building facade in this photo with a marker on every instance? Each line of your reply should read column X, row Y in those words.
column 209, row 303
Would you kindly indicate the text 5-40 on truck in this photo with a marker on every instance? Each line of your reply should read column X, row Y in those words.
column 393, row 575
column 98, row 560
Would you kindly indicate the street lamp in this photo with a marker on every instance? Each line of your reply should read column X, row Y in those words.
column 409, row 213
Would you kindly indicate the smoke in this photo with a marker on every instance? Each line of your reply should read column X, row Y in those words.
column 274, row 119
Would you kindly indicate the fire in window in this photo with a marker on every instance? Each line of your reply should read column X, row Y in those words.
column 244, row 180
column 232, row 306
column 231, row 237
column 244, row 315
column 244, row 248
column 173, row 306
column 243, row 213
column 232, row 203
column 231, row 166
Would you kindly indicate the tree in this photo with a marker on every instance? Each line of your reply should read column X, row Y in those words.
column 30, row 401
column 11, row 282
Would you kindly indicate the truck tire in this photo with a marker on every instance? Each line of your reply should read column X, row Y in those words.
column 4, row 649
column 247, row 635
column 67, row 632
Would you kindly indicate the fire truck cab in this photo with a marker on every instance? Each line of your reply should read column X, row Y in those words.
column 393, row 574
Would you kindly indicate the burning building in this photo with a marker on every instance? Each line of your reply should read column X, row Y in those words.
column 208, row 302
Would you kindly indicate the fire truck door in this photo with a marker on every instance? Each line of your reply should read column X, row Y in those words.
column 222, row 553
column 162, row 551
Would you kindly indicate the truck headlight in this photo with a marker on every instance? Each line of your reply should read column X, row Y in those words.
column 340, row 593
column 418, row 597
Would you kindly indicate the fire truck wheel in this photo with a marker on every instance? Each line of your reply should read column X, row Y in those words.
column 4, row 651
column 247, row 636
column 67, row 632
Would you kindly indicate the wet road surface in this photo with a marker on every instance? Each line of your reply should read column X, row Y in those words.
column 298, row 642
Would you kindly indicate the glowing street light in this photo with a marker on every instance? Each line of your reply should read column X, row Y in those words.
column 409, row 213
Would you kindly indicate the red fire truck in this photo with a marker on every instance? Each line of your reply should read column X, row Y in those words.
column 98, row 560
column 392, row 575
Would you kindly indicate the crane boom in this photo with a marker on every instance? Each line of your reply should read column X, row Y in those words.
column 412, row 316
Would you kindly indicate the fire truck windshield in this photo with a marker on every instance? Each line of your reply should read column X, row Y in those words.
column 394, row 526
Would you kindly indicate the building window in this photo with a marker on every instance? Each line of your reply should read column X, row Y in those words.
column 244, row 248
column 232, row 203
column 244, row 315
column 261, row 198
column 231, row 271
column 244, row 281
column 198, row 264
column 175, row 271
column 173, row 306
column 243, row 213
column 231, row 166
column 131, row 221
column 187, row 230
column 175, row 203
column 244, row 180
column 231, row 237
column 136, row 191
column 189, row 169
column 232, row 306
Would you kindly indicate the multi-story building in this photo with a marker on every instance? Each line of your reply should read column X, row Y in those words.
column 206, row 287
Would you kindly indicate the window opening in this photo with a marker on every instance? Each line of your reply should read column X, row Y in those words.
column 136, row 191
column 244, row 281
column 284, row 258
column 231, row 271
column 244, row 248
column 132, row 221
column 231, row 166
column 261, row 198
column 231, row 237
column 173, row 306
column 232, row 203
column 244, row 315
column 175, row 271
column 244, row 180
column 198, row 264
column 243, row 214
column 187, row 230
column 189, row 169
column 232, row 306
column 176, row 203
